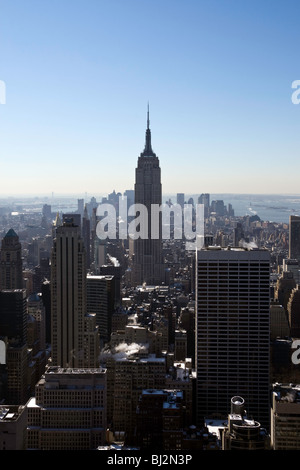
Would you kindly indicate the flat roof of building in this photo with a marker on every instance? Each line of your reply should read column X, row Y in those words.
column 74, row 370
column 10, row 412
column 100, row 276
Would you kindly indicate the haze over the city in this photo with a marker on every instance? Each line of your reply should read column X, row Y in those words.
column 217, row 75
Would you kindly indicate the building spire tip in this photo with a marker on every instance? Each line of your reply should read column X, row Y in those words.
column 148, row 120
column 148, row 149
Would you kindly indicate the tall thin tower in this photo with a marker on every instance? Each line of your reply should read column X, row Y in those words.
column 68, row 296
column 294, row 237
column 148, row 259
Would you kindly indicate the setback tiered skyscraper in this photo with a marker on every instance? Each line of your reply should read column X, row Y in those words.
column 148, row 259
column 232, row 330
column 68, row 293
column 74, row 333
column 68, row 411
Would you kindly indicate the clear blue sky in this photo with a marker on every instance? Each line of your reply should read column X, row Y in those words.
column 217, row 75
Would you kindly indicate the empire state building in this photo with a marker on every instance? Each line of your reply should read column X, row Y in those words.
column 148, row 259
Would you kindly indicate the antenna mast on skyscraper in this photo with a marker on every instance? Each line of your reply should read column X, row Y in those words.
column 148, row 120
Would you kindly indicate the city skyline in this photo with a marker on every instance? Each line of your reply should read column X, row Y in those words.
column 150, row 227
column 218, row 77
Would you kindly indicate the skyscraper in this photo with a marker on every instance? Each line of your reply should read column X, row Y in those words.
column 204, row 199
column 180, row 199
column 148, row 259
column 101, row 300
column 68, row 296
column 68, row 411
column 294, row 237
column 13, row 318
column 232, row 330
column 86, row 234
column 11, row 262
column 13, row 329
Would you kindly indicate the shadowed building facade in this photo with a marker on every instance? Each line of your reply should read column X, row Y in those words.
column 74, row 335
column 68, row 411
column 11, row 262
column 294, row 237
column 232, row 330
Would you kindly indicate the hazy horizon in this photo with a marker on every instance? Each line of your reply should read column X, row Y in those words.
column 164, row 194
column 218, row 77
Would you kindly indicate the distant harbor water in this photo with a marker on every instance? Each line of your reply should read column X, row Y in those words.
column 268, row 207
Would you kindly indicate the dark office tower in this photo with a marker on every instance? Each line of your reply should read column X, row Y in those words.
column 294, row 237
column 218, row 207
column 101, row 300
column 46, row 297
column 94, row 238
column 238, row 234
column 230, row 210
column 148, row 260
column 204, row 199
column 113, row 270
column 11, row 262
column 232, row 330
column 180, row 199
column 13, row 316
column 47, row 211
column 68, row 296
column 13, row 327
column 86, row 234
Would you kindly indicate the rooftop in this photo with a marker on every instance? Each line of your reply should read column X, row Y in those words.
column 11, row 233
column 289, row 393
column 73, row 371
column 10, row 412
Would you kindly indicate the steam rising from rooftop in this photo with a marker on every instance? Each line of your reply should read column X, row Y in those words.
column 123, row 351
column 113, row 260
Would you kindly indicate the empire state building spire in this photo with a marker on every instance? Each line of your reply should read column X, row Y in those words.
column 148, row 261
column 148, row 152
